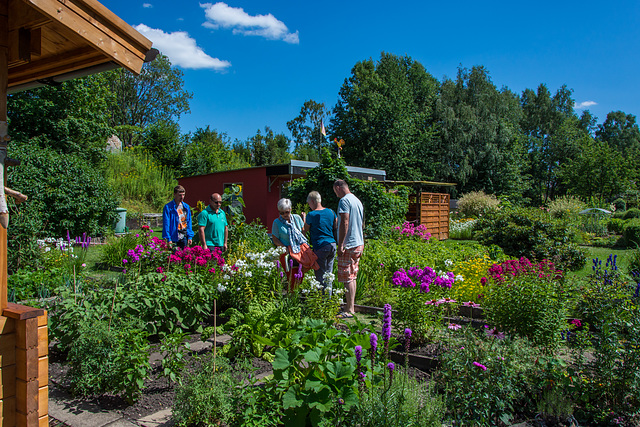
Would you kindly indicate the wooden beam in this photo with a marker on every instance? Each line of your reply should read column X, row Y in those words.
column 96, row 37
column 4, row 82
column 54, row 66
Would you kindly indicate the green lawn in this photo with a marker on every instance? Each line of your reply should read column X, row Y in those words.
column 622, row 260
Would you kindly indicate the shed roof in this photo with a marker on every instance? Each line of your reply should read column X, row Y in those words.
column 57, row 40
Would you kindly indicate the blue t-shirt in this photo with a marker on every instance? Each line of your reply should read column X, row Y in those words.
column 279, row 228
column 351, row 204
column 321, row 227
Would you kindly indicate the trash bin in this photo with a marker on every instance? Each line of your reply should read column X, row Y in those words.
column 120, row 225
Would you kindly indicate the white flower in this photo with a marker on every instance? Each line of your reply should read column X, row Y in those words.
column 47, row 249
column 448, row 263
column 248, row 273
column 221, row 288
column 226, row 277
column 328, row 277
column 459, row 278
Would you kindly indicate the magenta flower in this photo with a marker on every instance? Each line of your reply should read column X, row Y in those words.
column 480, row 365
column 358, row 352
column 576, row 322
column 159, row 270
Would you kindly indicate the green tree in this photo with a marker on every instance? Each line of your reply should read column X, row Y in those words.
column 207, row 151
column 306, row 130
column 264, row 149
column 156, row 94
column 72, row 118
column 596, row 171
column 163, row 141
column 481, row 146
column 552, row 132
column 385, row 115
column 620, row 131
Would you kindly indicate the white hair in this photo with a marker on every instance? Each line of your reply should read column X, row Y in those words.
column 315, row 196
column 284, row 205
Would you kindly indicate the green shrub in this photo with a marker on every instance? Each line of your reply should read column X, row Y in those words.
column 619, row 204
column 35, row 284
column 529, row 232
column 207, row 396
column 619, row 214
column 536, row 292
column 108, row 359
column 631, row 213
column 631, row 232
column 615, row 225
column 565, row 207
column 477, row 203
column 485, row 380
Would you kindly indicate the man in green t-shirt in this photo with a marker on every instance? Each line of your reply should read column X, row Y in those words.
column 212, row 224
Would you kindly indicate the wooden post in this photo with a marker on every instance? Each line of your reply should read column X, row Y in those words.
column 4, row 82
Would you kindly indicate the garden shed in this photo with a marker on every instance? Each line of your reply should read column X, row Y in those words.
column 261, row 185
column 45, row 42
column 430, row 209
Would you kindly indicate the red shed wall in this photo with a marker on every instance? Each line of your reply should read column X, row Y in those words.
column 259, row 198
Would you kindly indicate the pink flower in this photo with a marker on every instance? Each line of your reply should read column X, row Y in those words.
column 480, row 365
column 494, row 333
column 454, row 326
column 576, row 322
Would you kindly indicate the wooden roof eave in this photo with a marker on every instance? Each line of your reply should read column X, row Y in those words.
column 75, row 35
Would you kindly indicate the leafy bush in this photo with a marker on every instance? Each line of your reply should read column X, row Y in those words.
column 615, row 225
column 619, row 204
column 538, row 294
column 531, row 233
column 420, row 300
column 631, row 232
column 382, row 209
column 486, row 380
column 565, row 207
column 477, row 203
column 105, row 358
column 78, row 198
column 631, row 213
column 208, row 395
column 610, row 311
column 35, row 284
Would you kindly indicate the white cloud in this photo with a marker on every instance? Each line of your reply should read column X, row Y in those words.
column 583, row 105
column 267, row 26
column 181, row 49
column 147, row 5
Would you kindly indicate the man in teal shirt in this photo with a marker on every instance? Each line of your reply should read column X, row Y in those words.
column 212, row 224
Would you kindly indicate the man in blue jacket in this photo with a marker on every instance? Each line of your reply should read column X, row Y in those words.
column 176, row 220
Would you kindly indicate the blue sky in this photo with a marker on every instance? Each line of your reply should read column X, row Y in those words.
column 252, row 64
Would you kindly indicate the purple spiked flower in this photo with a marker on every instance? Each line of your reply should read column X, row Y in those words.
column 358, row 351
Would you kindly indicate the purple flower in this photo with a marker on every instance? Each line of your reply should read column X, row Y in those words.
column 391, row 366
column 363, row 376
column 495, row 333
column 124, row 261
column 386, row 324
column 373, row 339
column 480, row 365
column 358, row 351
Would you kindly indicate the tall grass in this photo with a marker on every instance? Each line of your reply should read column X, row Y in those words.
column 137, row 178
